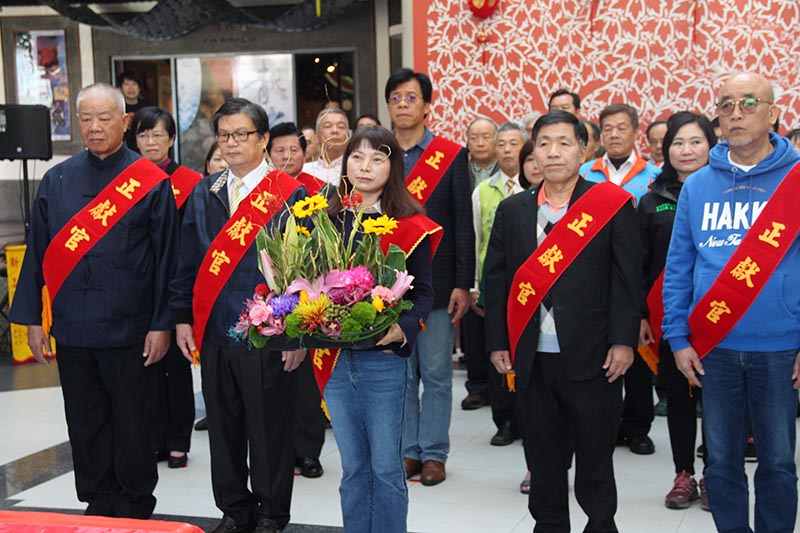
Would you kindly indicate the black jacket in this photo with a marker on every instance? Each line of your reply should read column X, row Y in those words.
column 656, row 213
column 595, row 301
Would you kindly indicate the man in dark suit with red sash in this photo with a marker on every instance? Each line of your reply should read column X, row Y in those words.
column 103, row 230
column 563, row 276
column 437, row 175
column 732, row 298
column 249, row 394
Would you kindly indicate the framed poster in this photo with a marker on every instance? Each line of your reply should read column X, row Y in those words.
column 42, row 67
column 204, row 83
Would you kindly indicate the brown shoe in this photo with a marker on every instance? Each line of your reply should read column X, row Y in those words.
column 413, row 467
column 433, row 473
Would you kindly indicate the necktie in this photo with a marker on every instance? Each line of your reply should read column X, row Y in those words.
column 236, row 195
column 510, row 186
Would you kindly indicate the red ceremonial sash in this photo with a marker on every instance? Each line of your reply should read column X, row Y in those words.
column 537, row 275
column 748, row 269
column 638, row 165
column 430, row 168
column 410, row 231
column 183, row 181
column 655, row 305
column 233, row 241
column 93, row 222
column 312, row 184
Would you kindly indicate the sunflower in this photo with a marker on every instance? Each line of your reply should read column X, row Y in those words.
column 310, row 205
column 379, row 226
column 313, row 311
column 302, row 231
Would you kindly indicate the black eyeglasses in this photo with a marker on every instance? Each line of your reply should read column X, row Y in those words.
column 747, row 105
column 238, row 136
column 397, row 98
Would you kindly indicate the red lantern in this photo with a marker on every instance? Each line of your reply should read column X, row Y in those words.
column 483, row 8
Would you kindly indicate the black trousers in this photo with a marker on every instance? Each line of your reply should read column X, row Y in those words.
column 250, row 406
column 681, row 411
column 472, row 332
column 174, row 402
column 309, row 420
column 558, row 414
column 639, row 411
column 108, row 399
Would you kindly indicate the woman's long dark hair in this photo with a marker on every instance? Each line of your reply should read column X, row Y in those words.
column 396, row 201
column 525, row 151
column 674, row 124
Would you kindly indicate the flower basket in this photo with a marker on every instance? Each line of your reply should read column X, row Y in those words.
column 325, row 287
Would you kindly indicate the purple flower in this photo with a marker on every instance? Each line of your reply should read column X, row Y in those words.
column 283, row 304
column 332, row 329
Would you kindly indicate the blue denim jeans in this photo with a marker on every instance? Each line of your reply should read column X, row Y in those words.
column 365, row 401
column 760, row 383
column 426, row 428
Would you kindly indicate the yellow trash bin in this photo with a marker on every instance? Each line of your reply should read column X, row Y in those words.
column 19, row 334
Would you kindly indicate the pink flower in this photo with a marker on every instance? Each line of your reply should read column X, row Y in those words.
column 361, row 277
column 332, row 329
column 268, row 270
column 384, row 293
column 260, row 313
column 313, row 289
column 402, row 284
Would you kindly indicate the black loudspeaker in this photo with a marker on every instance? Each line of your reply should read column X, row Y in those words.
column 25, row 132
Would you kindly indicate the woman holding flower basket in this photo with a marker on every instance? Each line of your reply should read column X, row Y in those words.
column 347, row 284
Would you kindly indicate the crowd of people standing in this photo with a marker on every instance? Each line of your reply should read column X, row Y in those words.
column 577, row 268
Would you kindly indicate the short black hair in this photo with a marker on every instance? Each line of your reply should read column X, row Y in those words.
column 675, row 123
column 595, row 130
column 148, row 118
column 561, row 117
column 793, row 133
column 371, row 116
column 715, row 122
column 576, row 100
column 613, row 109
column 403, row 75
column 284, row 129
column 234, row 106
column 127, row 75
column 653, row 125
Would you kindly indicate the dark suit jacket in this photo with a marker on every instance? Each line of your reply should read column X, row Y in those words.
column 595, row 301
column 450, row 206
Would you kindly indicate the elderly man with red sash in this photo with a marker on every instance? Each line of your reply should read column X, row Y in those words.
column 99, row 259
column 563, row 278
column 437, row 175
column 732, row 306
column 249, row 394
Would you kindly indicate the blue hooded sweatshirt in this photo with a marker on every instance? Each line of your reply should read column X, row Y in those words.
column 717, row 206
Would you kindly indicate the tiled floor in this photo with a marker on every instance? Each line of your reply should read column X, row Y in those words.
column 480, row 495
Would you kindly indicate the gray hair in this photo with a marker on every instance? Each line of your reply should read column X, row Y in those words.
column 511, row 126
column 335, row 111
column 102, row 89
column 481, row 117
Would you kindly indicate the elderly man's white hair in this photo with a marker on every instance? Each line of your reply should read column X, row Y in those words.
column 102, row 89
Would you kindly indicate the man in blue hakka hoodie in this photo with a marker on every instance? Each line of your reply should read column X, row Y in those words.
column 755, row 368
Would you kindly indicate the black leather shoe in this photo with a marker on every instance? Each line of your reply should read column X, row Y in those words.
column 178, row 462
column 474, row 401
column 506, row 434
column 227, row 525
column 265, row 525
column 202, row 424
column 310, row 467
column 641, row 445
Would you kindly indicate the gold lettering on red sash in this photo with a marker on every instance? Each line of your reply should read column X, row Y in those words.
column 435, row 159
column 77, row 235
column 239, row 230
column 318, row 355
column 550, row 257
column 175, row 191
column 417, row 186
column 770, row 236
column 579, row 225
column 745, row 269
column 525, row 290
column 128, row 188
column 218, row 259
column 102, row 211
column 261, row 201
column 718, row 308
